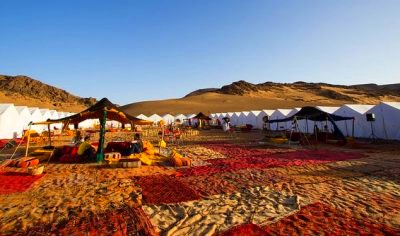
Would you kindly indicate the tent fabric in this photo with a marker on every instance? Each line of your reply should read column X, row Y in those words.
column 312, row 113
column 96, row 112
column 24, row 118
column 168, row 119
column 155, row 118
column 8, row 116
column 201, row 116
column 387, row 117
column 361, row 125
column 280, row 114
column 326, row 109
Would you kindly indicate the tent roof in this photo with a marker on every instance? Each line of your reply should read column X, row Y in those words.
column 96, row 112
column 256, row 113
column 268, row 112
column 201, row 116
column 314, row 114
column 4, row 107
column 393, row 104
column 358, row 108
column 329, row 110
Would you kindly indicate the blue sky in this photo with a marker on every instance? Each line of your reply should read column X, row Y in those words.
column 131, row 51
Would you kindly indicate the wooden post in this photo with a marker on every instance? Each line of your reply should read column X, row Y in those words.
column 27, row 142
column 48, row 128
column 100, row 154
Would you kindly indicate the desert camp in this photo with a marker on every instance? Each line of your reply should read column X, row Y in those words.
column 187, row 118
column 190, row 163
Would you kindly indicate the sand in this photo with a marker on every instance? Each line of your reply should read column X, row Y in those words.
column 269, row 197
column 260, row 205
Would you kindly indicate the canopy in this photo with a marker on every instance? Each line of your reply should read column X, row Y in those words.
column 96, row 112
column 314, row 114
column 201, row 116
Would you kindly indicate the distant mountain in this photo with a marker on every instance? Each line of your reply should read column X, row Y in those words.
column 23, row 90
column 242, row 95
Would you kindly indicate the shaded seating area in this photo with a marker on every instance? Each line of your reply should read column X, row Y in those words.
column 104, row 110
column 313, row 114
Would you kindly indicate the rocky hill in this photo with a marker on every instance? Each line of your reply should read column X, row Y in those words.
column 23, row 90
column 242, row 95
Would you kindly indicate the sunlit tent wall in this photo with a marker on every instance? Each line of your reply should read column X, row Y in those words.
column 168, row 118
column 387, row 120
column 54, row 116
column 180, row 117
column 45, row 116
column 103, row 110
column 24, row 118
column 280, row 114
column 8, row 124
column 143, row 117
column 361, row 126
column 36, row 116
column 155, row 118
column 316, row 115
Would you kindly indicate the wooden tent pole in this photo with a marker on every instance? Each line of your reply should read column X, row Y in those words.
column 27, row 142
column 48, row 128
column 100, row 154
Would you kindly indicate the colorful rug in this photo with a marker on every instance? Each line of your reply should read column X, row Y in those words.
column 247, row 158
column 164, row 189
column 15, row 182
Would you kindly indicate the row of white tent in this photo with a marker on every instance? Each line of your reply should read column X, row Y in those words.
column 15, row 119
column 385, row 126
column 167, row 118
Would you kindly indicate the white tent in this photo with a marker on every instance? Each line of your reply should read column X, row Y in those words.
column 168, row 118
column 243, row 120
column 221, row 116
column 155, row 118
column 261, row 115
column 8, row 117
column 36, row 116
column 229, row 115
column 190, row 116
column 45, row 116
column 254, row 119
column 143, row 117
column 54, row 115
column 24, row 118
column 280, row 114
column 235, row 118
column 326, row 109
column 387, row 120
column 361, row 126
column 180, row 117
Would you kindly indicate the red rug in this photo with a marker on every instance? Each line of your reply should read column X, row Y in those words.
column 122, row 221
column 14, row 182
column 242, row 158
column 164, row 189
column 246, row 229
column 317, row 219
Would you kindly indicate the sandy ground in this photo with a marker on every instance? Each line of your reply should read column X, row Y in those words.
column 365, row 188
